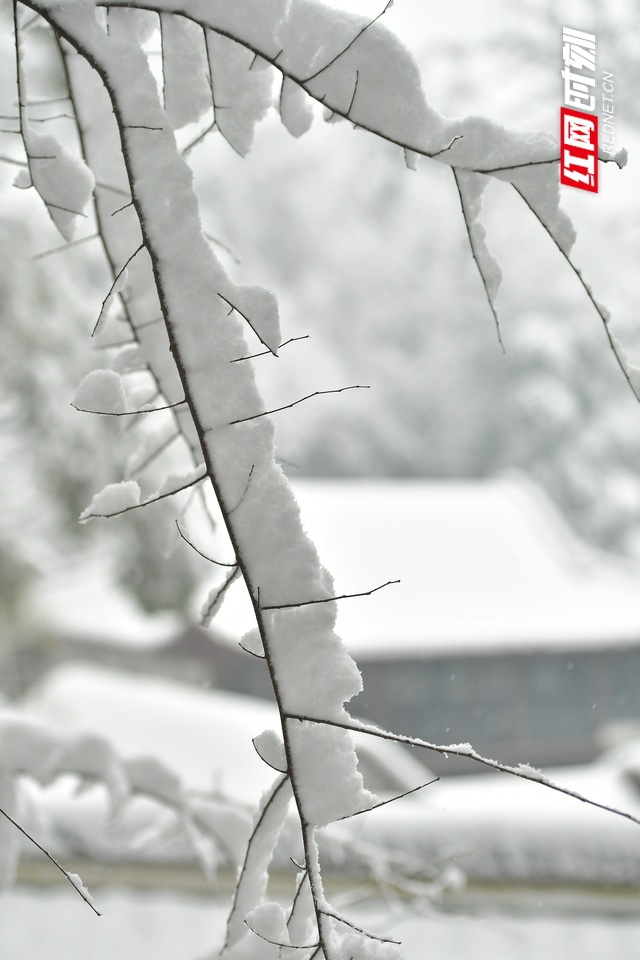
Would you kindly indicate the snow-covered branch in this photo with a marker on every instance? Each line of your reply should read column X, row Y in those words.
column 189, row 322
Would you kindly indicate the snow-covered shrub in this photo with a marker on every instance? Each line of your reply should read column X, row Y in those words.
column 186, row 360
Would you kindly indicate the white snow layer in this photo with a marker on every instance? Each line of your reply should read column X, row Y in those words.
column 296, row 110
column 269, row 922
column 101, row 391
column 112, row 500
column 270, row 748
column 62, row 179
column 187, row 94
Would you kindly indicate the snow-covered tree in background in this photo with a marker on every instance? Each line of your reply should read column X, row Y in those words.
column 185, row 336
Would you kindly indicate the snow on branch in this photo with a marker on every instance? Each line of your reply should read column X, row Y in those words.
column 358, row 71
column 522, row 770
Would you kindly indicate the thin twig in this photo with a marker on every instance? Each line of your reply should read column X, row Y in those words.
column 114, row 284
column 465, row 750
column 129, row 413
column 383, row 803
column 474, row 254
column 204, row 556
column 275, row 790
column 366, row 933
column 287, row 406
column 278, row 943
column 342, row 596
column 348, row 46
column 144, row 503
column 250, row 322
column 263, row 353
column 587, row 290
column 53, row 860
column 258, row 656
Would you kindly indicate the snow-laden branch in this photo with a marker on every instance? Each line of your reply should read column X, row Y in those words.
column 522, row 770
column 359, row 72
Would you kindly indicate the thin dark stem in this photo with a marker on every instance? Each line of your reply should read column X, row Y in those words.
column 249, row 321
column 258, row 656
column 129, row 413
column 342, row 596
column 465, row 750
column 474, row 254
column 287, row 406
column 145, row 503
column 124, row 206
column 53, row 860
column 348, row 46
column 383, row 803
column 366, row 933
column 204, row 556
column 587, row 290
column 114, row 284
column 275, row 790
column 263, row 353
column 277, row 943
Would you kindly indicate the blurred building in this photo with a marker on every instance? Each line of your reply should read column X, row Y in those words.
column 505, row 630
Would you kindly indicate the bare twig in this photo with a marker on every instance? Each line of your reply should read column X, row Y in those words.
column 255, row 833
column 247, row 320
column 287, row 406
column 587, row 289
column 144, row 503
column 204, row 556
column 53, row 860
column 348, row 923
column 264, row 353
column 349, row 45
column 130, row 413
column 383, row 803
column 343, row 596
column 278, row 943
column 474, row 254
column 114, row 284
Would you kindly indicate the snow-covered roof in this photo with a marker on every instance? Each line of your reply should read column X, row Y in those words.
column 482, row 564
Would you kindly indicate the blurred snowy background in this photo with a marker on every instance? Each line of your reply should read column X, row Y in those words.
column 372, row 263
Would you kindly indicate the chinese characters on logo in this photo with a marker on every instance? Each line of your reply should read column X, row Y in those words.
column 578, row 120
